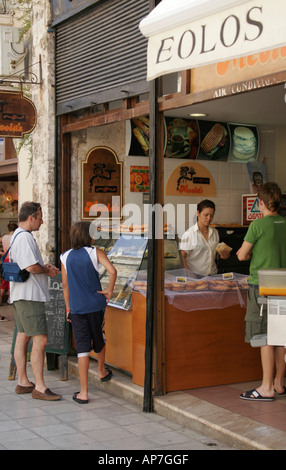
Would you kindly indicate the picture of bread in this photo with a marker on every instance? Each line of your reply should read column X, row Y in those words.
column 214, row 139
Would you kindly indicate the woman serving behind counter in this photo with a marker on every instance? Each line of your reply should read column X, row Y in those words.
column 199, row 242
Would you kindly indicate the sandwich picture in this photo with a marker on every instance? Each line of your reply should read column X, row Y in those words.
column 244, row 143
column 214, row 140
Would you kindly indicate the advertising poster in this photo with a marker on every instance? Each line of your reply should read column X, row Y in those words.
column 250, row 209
column 182, row 138
column 139, row 179
column 214, row 141
column 244, row 143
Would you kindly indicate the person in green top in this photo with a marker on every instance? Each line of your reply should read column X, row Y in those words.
column 265, row 245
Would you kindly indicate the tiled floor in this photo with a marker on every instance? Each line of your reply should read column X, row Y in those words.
column 227, row 396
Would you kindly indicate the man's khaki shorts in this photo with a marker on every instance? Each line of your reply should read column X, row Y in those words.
column 255, row 324
column 30, row 317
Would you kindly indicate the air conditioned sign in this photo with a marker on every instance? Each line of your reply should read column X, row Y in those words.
column 17, row 114
column 245, row 29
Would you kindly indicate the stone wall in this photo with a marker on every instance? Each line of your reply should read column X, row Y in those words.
column 43, row 96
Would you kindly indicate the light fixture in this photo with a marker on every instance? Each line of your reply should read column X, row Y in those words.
column 198, row 114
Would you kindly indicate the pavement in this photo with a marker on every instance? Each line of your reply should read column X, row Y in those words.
column 113, row 419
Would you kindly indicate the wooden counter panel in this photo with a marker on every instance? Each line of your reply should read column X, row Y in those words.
column 207, row 348
column 138, row 337
column 203, row 347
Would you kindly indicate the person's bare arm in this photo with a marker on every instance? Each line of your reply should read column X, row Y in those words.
column 66, row 291
column 47, row 269
column 245, row 251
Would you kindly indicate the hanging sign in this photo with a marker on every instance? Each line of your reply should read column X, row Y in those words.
column 17, row 114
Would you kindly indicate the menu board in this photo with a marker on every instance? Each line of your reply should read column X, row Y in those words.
column 58, row 327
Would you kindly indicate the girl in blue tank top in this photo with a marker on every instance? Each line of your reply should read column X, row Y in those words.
column 86, row 301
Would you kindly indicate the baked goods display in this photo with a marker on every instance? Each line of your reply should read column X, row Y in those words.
column 210, row 284
column 223, row 285
column 139, row 285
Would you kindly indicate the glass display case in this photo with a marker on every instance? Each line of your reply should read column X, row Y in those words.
column 129, row 255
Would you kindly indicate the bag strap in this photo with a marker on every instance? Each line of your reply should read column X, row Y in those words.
column 5, row 254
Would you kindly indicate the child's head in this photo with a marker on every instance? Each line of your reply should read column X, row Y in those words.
column 79, row 235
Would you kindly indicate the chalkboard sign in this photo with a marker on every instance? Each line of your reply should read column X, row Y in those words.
column 58, row 327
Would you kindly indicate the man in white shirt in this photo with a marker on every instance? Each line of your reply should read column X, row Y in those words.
column 28, row 300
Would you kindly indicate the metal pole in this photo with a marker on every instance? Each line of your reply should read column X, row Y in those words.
column 154, row 266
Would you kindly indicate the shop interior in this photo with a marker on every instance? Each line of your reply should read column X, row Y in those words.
column 264, row 109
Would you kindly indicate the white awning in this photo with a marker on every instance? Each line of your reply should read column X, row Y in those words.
column 184, row 34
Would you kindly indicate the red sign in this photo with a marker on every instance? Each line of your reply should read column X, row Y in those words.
column 250, row 208
column 17, row 114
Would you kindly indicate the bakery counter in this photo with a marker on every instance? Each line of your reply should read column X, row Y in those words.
column 188, row 294
column 204, row 347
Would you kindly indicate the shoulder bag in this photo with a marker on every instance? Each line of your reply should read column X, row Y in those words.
column 11, row 271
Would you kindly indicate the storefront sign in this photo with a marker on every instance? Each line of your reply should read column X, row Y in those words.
column 244, row 29
column 251, row 211
column 240, row 75
column 17, row 114
column 191, row 179
column 101, row 179
column 250, row 208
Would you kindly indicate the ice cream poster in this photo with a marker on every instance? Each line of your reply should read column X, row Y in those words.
column 244, row 143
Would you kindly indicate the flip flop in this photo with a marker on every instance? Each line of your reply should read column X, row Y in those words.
column 78, row 400
column 107, row 377
column 283, row 394
column 254, row 395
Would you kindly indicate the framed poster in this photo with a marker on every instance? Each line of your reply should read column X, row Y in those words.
column 214, row 141
column 182, row 138
column 139, row 179
column 244, row 143
column 101, row 180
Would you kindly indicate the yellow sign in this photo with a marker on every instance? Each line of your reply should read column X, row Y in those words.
column 191, row 179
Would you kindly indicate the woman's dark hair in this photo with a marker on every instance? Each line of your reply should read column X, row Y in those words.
column 27, row 209
column 206, row 203
column 79, row 235
column 12, row 226
column 271, row 195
